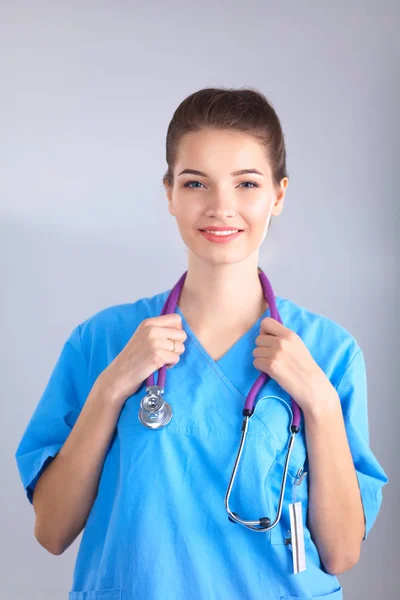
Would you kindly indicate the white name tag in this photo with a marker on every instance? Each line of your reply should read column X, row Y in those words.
column 297, row 537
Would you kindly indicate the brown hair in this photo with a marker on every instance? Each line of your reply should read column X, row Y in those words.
column 242, row 109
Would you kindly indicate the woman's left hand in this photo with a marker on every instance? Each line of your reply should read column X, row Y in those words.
column 282, row 355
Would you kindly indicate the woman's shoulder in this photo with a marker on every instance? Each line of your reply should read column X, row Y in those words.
column 317, row 329
column 121, row 320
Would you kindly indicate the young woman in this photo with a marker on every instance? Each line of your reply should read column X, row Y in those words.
column 148, row 481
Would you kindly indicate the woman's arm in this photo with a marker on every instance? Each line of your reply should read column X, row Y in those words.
column 335, row 510
column 65, row 491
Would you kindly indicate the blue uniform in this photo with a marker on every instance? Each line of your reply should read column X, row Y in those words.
column 158, row 527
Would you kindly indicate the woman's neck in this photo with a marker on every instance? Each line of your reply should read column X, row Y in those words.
column 227, row 295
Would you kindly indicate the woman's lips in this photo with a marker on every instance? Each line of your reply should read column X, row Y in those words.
column 220, row 239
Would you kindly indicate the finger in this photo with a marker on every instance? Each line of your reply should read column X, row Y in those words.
column 157, row 332
column 168, row 344
column 168, row 320
column 265, row 340
column 272, row 326
column 172, row 358
column 172, row 333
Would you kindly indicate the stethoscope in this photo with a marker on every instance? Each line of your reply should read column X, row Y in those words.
column 156, row 413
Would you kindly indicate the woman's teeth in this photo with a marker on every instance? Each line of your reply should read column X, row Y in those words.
column 222, row 232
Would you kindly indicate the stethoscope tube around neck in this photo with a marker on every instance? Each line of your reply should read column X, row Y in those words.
column 170, row 306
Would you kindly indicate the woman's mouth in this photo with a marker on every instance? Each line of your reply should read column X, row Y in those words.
column 221, row 237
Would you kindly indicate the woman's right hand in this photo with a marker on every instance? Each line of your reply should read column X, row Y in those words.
column 149, row 349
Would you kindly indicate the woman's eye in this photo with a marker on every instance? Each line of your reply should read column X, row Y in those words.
column 251, row 183
column 189, row 183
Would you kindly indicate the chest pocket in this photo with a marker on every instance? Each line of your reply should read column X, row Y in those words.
column 258, row 480
column 271, row 420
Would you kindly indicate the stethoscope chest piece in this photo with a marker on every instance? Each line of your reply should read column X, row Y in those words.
column 154, row 411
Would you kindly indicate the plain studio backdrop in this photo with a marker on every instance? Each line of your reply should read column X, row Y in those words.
column 88, row 90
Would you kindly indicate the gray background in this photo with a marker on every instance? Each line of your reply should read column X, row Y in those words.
column 88, row 90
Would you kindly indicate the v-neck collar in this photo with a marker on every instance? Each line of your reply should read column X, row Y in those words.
column 217, row 365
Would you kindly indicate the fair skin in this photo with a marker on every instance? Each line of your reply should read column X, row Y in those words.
column 222, row 295
column 222, row 284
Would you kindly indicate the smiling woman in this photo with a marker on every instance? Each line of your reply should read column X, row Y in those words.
column 151, row 492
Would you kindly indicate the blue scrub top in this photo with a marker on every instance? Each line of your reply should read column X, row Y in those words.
column 158, row 527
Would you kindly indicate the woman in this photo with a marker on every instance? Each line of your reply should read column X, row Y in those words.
column 152, row 503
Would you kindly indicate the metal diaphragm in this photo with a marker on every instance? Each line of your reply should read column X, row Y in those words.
column 154, row 411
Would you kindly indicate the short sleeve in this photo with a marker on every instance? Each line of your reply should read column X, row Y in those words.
column 55, row 413
column 352, row 391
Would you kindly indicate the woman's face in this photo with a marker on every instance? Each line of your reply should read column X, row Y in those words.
column 218, row 198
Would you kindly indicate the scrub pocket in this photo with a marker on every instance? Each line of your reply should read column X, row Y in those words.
column 273, row 417
column 337, row 595
column 110, row 594
column 296, row 490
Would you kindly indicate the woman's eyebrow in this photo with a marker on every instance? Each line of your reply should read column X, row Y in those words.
column 234, row 174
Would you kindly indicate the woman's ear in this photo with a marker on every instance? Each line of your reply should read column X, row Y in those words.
column 280, row 197
column 168, row 191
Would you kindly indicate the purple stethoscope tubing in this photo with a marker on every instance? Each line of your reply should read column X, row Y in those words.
column 169, row 307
